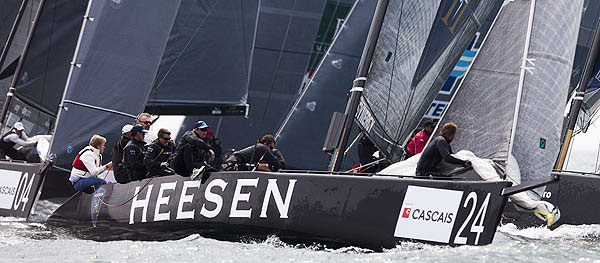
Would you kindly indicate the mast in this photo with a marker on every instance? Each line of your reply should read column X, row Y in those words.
column 578, row 99
column 358, row 84
column 11, row 89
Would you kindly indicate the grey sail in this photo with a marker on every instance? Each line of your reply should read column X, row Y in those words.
column 45, row 68
column 208, row 58
column 119, row 51
column 419, row 44
column 308, row 119
column 510, row 102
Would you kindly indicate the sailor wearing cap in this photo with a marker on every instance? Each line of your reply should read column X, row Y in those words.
column 121, row 175
column 417, row 143
column 133, row 154
column 15, row 143
column 193, row 153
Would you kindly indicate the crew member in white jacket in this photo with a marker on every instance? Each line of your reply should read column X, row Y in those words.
column 88, row 165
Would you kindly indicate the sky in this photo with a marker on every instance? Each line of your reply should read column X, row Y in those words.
column 583, row 156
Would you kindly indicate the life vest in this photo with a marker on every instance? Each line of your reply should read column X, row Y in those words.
column 77, row 163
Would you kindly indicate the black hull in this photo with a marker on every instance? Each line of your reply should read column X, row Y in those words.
column 298, row 208
column 19, row 186
column 577, row 196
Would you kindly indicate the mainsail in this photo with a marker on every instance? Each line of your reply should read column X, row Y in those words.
column 207, row 60
column 307, row 120
column 511, row 101
column 419, row 43
column 117, row 56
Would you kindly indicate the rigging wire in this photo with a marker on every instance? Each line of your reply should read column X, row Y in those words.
column 262, row 121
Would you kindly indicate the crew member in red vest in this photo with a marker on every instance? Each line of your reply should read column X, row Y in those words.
column 88, row 165
column 417, row 143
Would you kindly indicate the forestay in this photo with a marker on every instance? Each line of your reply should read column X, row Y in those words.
column 419, row 43
column 509, row 104
column 119, row 50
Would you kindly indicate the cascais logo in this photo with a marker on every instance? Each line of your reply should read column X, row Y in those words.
column 429, row 215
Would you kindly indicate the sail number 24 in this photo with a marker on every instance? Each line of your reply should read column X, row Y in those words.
column 477, row 224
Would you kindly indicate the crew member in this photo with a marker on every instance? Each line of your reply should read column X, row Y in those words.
column 192, row 153
column 260, row 154
column 158, row 154
column 417, row 143
column 16, row 136
column 88, row 165
column 133, row 154
column 215, row 145
column 145, row 120
column 121, row 175
column 437, row 150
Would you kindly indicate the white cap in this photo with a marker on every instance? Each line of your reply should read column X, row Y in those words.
column 18, row 126
column 126, row 128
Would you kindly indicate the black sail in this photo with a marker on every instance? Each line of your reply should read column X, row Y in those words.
column 237, row 132
column 119, row 51
column 44, row 73
column 208, row 58
column 303, row 132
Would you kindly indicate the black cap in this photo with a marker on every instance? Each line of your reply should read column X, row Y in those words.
column 136, row 129
column 430, row 123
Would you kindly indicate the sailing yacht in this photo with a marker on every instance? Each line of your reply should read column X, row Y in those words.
column 326, row 207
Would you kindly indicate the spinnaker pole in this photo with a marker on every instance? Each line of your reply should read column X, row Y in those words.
column 358, row 84
column 11, row 89
column 578, row 98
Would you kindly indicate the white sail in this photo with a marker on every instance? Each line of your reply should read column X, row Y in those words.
column 512, row 99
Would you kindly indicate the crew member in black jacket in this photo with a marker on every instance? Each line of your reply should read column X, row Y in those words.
column 133, row 154
column 121, row 175
column 263, row 156
column 158, row 154
column 192, row 151
column 437, row 150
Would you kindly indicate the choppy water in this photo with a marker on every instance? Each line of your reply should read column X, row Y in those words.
column 32, row 242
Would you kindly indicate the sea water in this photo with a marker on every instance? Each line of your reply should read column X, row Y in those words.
column 22, row 241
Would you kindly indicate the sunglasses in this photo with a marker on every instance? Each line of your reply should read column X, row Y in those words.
column 166, row 139
column 146, row 122
column 204, row 129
